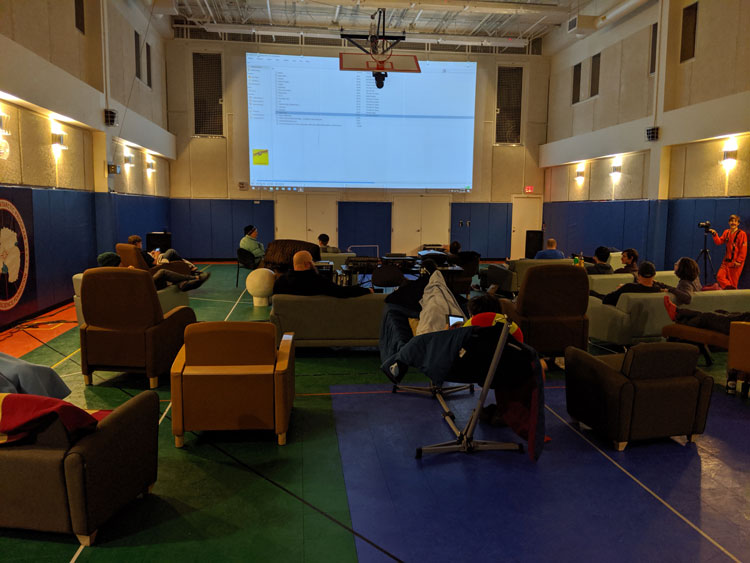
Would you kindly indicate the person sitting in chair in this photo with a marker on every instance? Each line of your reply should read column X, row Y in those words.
column 600, row 266
column 156, row 257
column 645, row 284
column 250, row 243
column 304, row 280
column 550, row 252
column 629, row 259
column 163, row 277
column 323, row 240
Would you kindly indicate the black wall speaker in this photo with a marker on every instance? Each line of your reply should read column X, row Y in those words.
column 534, row 241
column 110, row 117
column 652, row 133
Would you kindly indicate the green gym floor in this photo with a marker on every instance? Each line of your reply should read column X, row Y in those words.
column 230, row 496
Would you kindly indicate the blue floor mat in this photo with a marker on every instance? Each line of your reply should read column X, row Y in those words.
column 574, row 504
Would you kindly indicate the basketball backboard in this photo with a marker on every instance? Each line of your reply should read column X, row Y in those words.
column 366, row 62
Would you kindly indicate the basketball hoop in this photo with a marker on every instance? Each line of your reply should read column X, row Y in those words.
column 380, row 50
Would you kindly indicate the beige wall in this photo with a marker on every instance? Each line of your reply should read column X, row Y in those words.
column 695, row 170
column 31, row 161
column 721, row 65
column 47, row 27
column 626, row 89
column 213, row 167
column 597, row 183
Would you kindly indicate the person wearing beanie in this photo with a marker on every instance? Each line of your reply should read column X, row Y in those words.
column 250, row 243
column 644, row 284
column 162, row 278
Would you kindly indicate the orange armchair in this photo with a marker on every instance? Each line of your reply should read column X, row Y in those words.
column 124, row 328
column 230, row 376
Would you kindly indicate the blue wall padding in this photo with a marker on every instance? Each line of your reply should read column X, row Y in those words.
column 105, row 220
column 365, row 223
column 64, row 241
column 482, row 227
column 22, row 200
column 212, row 228
column 138, row 215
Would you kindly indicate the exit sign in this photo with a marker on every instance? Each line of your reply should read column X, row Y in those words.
column 528, row 189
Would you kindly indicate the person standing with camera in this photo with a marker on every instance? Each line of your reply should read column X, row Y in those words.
column 734, row 259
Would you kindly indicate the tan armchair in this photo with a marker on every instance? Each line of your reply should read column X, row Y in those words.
column 59, row 484
column 738, row 359
column 551, row 308
column 653, row 391
column 130, row 255
column 124, row 327
column 230, row 376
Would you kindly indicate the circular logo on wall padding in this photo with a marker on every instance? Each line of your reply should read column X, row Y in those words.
column 14, row 255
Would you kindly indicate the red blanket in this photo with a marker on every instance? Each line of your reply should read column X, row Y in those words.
column 22, row 415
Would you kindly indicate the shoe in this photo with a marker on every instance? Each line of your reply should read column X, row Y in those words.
column 196, row 282
column 731, row 387
column 395, row 372
column 670, row 307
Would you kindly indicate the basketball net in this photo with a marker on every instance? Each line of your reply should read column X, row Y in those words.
column 378, row 45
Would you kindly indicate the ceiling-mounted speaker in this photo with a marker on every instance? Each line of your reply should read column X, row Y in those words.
column 110, row 117
column 652, row 133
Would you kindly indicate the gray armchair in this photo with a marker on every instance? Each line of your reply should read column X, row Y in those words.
column 653, row 391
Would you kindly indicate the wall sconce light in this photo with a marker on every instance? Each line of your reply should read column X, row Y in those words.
column 616, row 172
column 129, row 160
column 58, row 142
column 729, row 158
column 4, row 146
column 580, row 171
column 4, row 117
column 150, row 166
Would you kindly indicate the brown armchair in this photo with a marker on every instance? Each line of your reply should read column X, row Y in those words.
column 130, row 255
column 551, row 308
column 68, row 486
column 738, row 359
column 280, row 252
column 124, row 328
column 230, row 376
column 653, row 391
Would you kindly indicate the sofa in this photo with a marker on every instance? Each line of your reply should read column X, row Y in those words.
column 606, row 283
column 320, row 320
column 641, row 316
column 57, row 483
column 169, row 298
column 509, row 279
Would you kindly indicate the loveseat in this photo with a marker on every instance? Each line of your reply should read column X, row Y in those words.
column 641, row 316
column 169, row 298
column 320, row 320
column 606, row 283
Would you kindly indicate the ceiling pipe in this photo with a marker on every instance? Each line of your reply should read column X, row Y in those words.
column 553, row 12
column 618, row 12
column 336, row 34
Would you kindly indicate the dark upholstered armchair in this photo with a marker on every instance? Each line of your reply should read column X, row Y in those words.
column 230, row 376
column 551, row 308
column 280, row 252
column 130, row 255
column 654, row 390
column 59, row 484
column 124, row 328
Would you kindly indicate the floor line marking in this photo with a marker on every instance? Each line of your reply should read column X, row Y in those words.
column 644, row 486
column 169, row 406
column 229, row 314
column 65, row 358
column 77, row 553
column 213, row 300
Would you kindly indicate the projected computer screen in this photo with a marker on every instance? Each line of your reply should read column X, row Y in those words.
column 313, row 125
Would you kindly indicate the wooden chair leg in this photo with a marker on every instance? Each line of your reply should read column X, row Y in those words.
column 89, row 540
column 282, row 439
column 620, row 446
column 691, row 438
column 153, row 382
column 86, row 379
column 147, row 490
column 179, row 441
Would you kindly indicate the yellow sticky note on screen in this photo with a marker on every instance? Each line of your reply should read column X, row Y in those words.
column 260, row 157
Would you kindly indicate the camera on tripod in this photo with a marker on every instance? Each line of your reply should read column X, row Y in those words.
column 705, row 225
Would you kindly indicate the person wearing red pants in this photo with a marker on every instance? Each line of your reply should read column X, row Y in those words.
column 734, row 258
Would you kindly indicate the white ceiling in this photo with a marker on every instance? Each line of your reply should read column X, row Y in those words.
column 511, row 23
